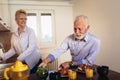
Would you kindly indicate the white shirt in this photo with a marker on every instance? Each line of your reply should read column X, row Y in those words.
column 25, row 45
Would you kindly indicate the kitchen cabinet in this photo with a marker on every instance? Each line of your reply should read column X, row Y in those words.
column 5, row 39
column 4, row 11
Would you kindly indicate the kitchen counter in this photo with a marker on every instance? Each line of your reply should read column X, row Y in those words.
column 111, row 76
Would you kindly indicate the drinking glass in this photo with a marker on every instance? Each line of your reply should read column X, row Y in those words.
column 89, row 73
column 72, row 75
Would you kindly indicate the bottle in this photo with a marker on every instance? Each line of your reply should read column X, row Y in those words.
column 42, row 73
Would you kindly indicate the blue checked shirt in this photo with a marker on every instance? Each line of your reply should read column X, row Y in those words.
column 82, row 51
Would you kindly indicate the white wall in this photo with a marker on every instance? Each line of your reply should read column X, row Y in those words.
column 63, row 21
column 4, row 11
column 104, row 16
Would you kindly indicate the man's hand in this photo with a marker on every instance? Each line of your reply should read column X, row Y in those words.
column 45, row 62
column 65, row 65
column 68, row 64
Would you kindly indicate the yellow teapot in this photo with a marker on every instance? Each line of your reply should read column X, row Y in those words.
column 18, row 71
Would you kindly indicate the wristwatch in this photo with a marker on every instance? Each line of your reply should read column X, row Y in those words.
column 71, row 64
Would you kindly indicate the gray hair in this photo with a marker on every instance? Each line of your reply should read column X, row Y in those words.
column 82, row 17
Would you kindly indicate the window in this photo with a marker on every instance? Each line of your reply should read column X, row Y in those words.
column 32, row 21
column 46, row 27
column 42, row 22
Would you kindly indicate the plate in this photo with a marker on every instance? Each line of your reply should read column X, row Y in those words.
column 64, row 75
column 82, row 72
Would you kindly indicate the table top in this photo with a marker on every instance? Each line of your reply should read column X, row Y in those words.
column 112, row 75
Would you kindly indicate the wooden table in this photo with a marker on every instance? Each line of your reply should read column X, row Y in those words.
column 111, row 76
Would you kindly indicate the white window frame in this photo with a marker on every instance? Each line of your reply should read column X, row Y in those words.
column 38, row 12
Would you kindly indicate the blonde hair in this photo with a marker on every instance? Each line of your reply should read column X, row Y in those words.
column 18, row 12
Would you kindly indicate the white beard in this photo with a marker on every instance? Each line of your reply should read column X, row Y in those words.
column 80, row 36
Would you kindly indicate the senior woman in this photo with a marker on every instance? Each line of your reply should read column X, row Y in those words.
column 24, row 43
